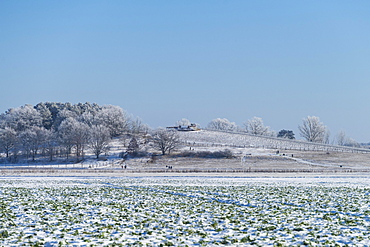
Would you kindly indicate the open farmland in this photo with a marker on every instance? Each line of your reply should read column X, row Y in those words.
column 185, row 211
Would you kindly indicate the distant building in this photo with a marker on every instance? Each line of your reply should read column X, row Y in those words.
column 191, row 127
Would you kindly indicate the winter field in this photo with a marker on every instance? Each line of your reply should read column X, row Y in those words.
column 272, row 192
column 185, row 211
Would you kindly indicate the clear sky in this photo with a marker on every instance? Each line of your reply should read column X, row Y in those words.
column 166, row 60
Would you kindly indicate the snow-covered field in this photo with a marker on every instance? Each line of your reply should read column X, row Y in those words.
column 185, row 211
column 212, row 138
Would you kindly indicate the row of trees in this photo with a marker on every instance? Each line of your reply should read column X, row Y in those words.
column 253, row 126
column 50, row 128
column 311, row 129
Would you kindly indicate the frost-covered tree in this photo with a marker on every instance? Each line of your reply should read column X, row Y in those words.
column 327, row 137
column 54, row 109
column 341, row 138
column 8, row 140
column 99, row 139
column 46, row 116
column 68, row 127
column 80, row 133
column 137, row 126
column 33, row 139
column 222, row 124
column 255, row 126
column 65, row 136
column 22, row 118
column 51, row 110
column 42, row 136
column 28, row 140
column 63, row 115
column 74, row 134
column 81, row 108
column 183, row 122
column 50, row 143
column 87, row 118
column 166, row 140
column 114, row 118
column 352, row 143
column 313, row 130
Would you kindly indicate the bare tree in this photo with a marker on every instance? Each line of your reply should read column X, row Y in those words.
column 255, row 126
column 313, row 130
column 74, row 134
column 65, row 136
column 99, row 139
column 8, row 139
column 29, row 142
column 166, row 140
column 222, row 124
column 33, row 140
column 81, row 134
column 50, row 143
column 341, row 138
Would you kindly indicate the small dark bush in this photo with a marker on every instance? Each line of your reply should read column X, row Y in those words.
column 137, row 154
column 208, row 154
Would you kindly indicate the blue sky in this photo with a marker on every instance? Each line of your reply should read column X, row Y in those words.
column 167, row 60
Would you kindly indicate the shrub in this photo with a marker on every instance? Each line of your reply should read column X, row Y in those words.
column 208, row 154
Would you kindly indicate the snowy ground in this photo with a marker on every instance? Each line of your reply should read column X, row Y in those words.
column 245, row 160
column 234, row 139
column 203, row 211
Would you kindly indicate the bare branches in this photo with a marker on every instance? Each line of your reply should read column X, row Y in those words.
column 166, row 140
column 99, row 139
column 255, row 126
column 313, row 130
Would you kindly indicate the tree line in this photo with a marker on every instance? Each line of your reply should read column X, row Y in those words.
column 311, row 129
column 52, row 128
column 64, row 129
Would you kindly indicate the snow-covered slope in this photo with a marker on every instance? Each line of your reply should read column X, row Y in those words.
column 234, row 139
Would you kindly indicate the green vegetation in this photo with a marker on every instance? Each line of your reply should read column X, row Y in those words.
column 173, row 212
